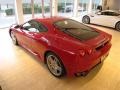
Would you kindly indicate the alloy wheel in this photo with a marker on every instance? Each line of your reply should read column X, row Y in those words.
column 54, row 65
column 13, row 38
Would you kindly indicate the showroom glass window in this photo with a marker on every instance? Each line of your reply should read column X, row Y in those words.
column 83, row 7
column 38, row 8
column 65, row 8
column 7, row 13
column 95, row 4
column 27, row 11
column 47, row 7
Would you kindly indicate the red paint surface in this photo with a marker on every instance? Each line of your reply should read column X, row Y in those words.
column 65, row 46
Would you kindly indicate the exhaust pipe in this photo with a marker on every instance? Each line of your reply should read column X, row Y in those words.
column 82, row 74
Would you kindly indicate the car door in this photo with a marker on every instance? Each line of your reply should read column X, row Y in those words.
column 22, row 34
column 27, row 34
column 95, row 18
column 98, row 18
column 110, row 19
column 36, row 35
column 103, row 18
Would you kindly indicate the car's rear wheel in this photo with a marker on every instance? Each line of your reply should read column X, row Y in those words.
column 14, row 39
column 55, row 65
column 86, row 19
column 117, row 27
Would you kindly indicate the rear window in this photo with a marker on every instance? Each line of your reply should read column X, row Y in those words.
column 76, row 29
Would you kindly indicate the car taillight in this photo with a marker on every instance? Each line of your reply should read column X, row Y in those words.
column 90, row 51
column 82, row 52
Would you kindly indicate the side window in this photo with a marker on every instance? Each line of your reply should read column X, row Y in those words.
column 27, row 25
column 34, row 26
column 114, row 14
column 110, row 13
column 105, row 13
column 38, row 26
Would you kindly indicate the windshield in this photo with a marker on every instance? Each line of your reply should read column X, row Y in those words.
column 76, row 29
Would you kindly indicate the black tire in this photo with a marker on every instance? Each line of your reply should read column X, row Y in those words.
column 14, row 39
column 117, row 26
column 0, row 88
column 86, row 19
column 59, row 73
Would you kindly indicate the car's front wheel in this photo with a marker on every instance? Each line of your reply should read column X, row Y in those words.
column 86, row 19
column 14, row 39
column 117, row 27
column 55, row 65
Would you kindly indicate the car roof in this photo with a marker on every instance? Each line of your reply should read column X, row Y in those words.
column 49, row 20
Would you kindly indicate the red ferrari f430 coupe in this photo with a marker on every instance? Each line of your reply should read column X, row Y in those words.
column 64, row 45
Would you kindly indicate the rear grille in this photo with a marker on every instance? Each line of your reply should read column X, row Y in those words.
column 101, row 46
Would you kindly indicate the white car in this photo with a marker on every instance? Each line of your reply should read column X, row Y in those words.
column 109, row 18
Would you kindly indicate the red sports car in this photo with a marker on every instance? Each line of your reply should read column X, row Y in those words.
column 64, row 45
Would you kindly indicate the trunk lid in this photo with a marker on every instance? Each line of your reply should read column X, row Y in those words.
column 98, row 42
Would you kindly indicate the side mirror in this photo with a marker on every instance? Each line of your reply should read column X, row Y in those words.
column 99, row 13
column 17, row 26
column 99, row 7
column 21, row 27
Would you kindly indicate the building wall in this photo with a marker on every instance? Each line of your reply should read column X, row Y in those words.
column 111, row 4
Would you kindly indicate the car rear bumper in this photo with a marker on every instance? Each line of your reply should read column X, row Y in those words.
column 90, row 61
